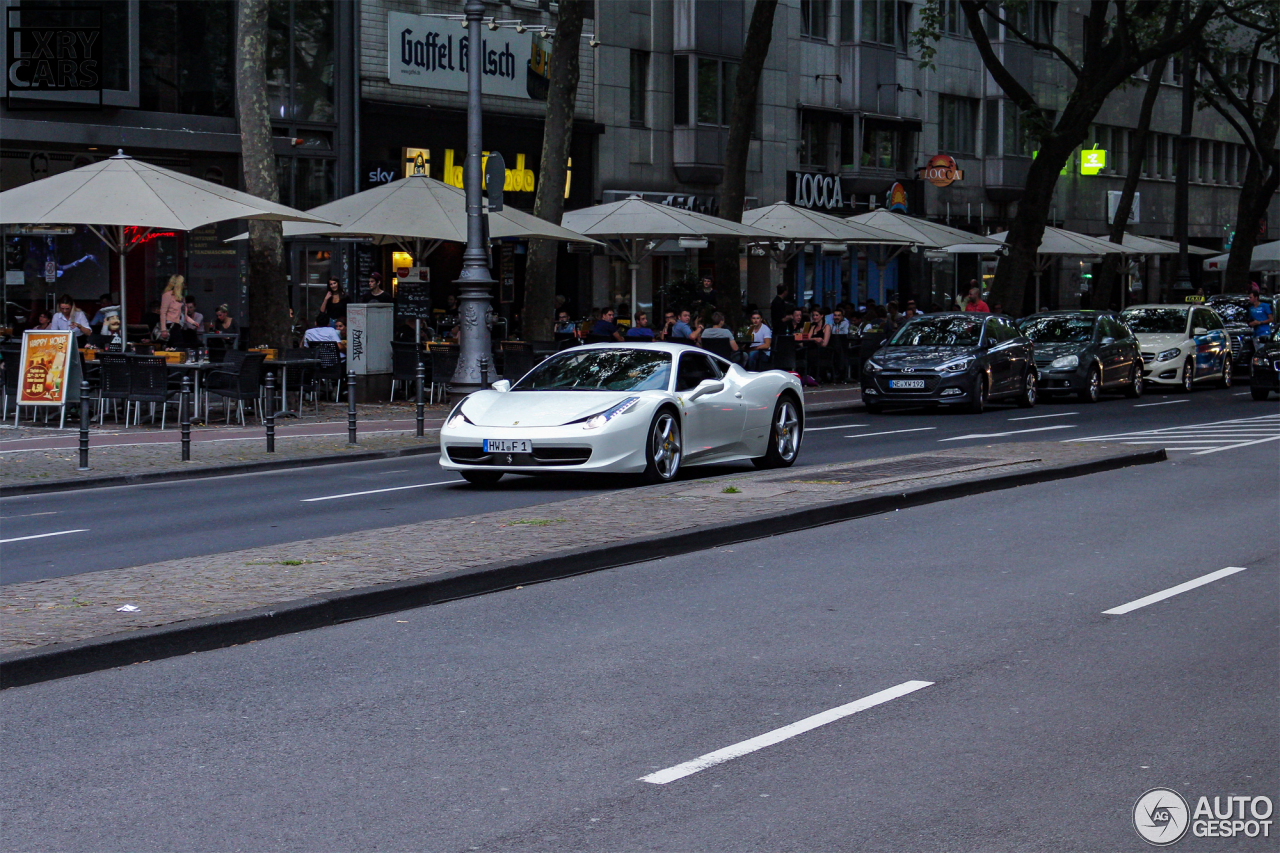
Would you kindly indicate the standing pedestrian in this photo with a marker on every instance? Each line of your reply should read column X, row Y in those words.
column 973, row 302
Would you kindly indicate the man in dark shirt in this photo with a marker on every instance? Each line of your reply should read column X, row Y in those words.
column 780, row 307
column 376, row 293
column 605, row 326
column 708, row 295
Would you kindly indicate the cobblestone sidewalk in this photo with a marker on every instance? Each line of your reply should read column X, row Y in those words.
column 80, row 607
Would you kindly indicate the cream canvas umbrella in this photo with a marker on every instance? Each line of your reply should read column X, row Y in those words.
column 801, row 226
column 632, row 227
column 1156, row 246
column 1266, row 258
column 923, row 234
column 1058, row 242
column 122, row 200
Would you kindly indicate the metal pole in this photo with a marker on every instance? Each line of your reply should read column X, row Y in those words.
column 422, row 378
column 351, row 406
column 271, row 412
column 84, row 425
column 184, row 415
column 475, row 281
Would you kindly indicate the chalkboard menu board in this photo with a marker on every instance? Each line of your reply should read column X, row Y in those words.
column 413, row 300
column 365, row 266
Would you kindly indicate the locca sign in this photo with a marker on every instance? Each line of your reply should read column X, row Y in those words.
column 432, row 53
column 942, row 171
column 812, row 189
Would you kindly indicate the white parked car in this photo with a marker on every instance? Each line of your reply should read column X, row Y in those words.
column 625, row 408
column 1181, row 344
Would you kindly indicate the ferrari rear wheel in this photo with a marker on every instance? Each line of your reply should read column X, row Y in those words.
column 481, row 478
column 663, row 450
column 785, row 436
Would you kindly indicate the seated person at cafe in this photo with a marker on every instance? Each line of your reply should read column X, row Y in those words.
column 819, row 331
column 223, row 323
column 322, row 331
column 717, row 332
column 761, row 343
column 565, row 326
column 839, row 322
column 605, row 326
column 793, row 323
column 640, row 331
column 340, row 326
column 69, row 317
column 684, row 329
column 44, row 321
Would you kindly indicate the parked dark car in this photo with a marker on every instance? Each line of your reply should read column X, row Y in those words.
column 1085, row 353
column 954, row 358
column 1265, row 375
column 1233, row 308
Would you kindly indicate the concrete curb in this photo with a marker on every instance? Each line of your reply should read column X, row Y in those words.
column 113, row 650
column 52, row 486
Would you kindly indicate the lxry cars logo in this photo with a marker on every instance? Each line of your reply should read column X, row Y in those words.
column 53, row 50
column 1161, row 816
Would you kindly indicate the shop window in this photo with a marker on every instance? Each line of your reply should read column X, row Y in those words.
column 188, row 56
column 639, row 88
column 814, row 16
column 681, row 93
column 957, row 119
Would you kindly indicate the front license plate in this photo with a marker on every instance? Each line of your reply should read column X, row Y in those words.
column 906, row 383
column 508, row 445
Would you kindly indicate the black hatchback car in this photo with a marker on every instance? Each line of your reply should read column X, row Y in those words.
column 1085, row 353
column 955, row 358
column 1265, row 376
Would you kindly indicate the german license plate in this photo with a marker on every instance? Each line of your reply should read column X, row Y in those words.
column 508, row 445
column 906, row 383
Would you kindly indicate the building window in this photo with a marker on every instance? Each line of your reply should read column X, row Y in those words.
column 188, row 56
column 877, row 21
column 953, row 20
column 957, row 118
column 300, row 60
column 991, row 129
column 716, row 81
column 883, row 147
column 1044, row 14
column 681, row 99
column 813, row 18
column 816, row 132
column 639, row 88
column 1016, row 143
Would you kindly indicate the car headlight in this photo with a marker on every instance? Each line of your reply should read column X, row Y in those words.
column 456, row 418
column 1169, row 354
column 1259, row 360
column 599, row 420
column 958, row 365
column 872, row 367
column 1065, row 362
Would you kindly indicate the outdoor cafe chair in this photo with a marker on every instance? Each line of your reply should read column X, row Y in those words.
column 784, row 353
column 405, row 358
column 244, row 384
column 444, row 361
column 517, row 359
column 218, row 346
column 719, row 346
column 601, row 339
column 148, row 383
column 114, row 381
column 301, row 378
column 330, row 369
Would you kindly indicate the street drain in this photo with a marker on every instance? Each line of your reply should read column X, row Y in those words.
column 874, row 471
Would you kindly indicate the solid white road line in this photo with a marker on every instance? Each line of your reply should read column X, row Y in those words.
column 1241, row 444
column 1038, row 417
column 842, row 426
column 711, row 759
column 378, row 491
column 1165, row 403
column 43, row 535
column 890, row 432
column 1010, row 432
column 1172, row 591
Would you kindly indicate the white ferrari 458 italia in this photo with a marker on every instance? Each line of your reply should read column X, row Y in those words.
column 625, row 408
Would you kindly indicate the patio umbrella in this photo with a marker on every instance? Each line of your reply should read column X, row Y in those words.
column 419, row 212
column 802, row 226
column 632, row 227
column 923, row 234
column 1266, row 258
column 122, row 200
column 1058, row 242
column 1156, row 246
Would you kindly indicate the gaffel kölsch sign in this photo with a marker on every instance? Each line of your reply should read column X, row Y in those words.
column 433, row 53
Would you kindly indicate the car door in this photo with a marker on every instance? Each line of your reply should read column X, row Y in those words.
column 1219, row 339
column 1126, row 348
column 1208, row 345
column 1111, row 351
column 1002, row 353
column 712, row 420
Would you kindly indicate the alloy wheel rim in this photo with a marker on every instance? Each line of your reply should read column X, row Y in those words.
column 1226, row 373
column 787, row 429
column 1095, row 385
column 1031, row 389
column 666, row 447
column 1188, row 375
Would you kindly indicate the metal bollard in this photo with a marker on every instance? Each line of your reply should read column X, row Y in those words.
column 351, row 407
column 484, row 372
column 184, row 415
column 422, row 415
column 271, row 412
column 84, row 426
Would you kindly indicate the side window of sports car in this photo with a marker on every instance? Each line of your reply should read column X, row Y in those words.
column 694, row 368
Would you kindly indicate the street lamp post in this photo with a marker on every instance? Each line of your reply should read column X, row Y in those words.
column 475, row 283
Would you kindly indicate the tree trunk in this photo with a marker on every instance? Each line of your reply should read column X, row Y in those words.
column 557, row 137
column 1255, row 197
column 733, row 186
column 1105, row 292
column 268, row 310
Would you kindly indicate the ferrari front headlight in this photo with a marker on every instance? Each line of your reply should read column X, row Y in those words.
column 456, row 418
column 597, row 421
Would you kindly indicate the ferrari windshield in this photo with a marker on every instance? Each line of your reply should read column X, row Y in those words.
column 1155, row 321
column 939, row 332
column 630, row 369
column 1059, row 330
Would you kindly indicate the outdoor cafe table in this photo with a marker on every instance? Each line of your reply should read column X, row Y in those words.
column 279, row 367
column 195, row 368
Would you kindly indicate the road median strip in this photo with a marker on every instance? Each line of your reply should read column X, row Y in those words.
column 65, row 626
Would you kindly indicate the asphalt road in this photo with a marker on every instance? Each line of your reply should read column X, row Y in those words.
column 64, row 534
column 526, row 720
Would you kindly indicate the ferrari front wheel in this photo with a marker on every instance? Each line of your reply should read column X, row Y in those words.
column 785, row 435
column 663, row 450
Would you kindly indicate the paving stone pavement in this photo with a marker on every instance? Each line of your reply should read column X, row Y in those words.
column 79, row 607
